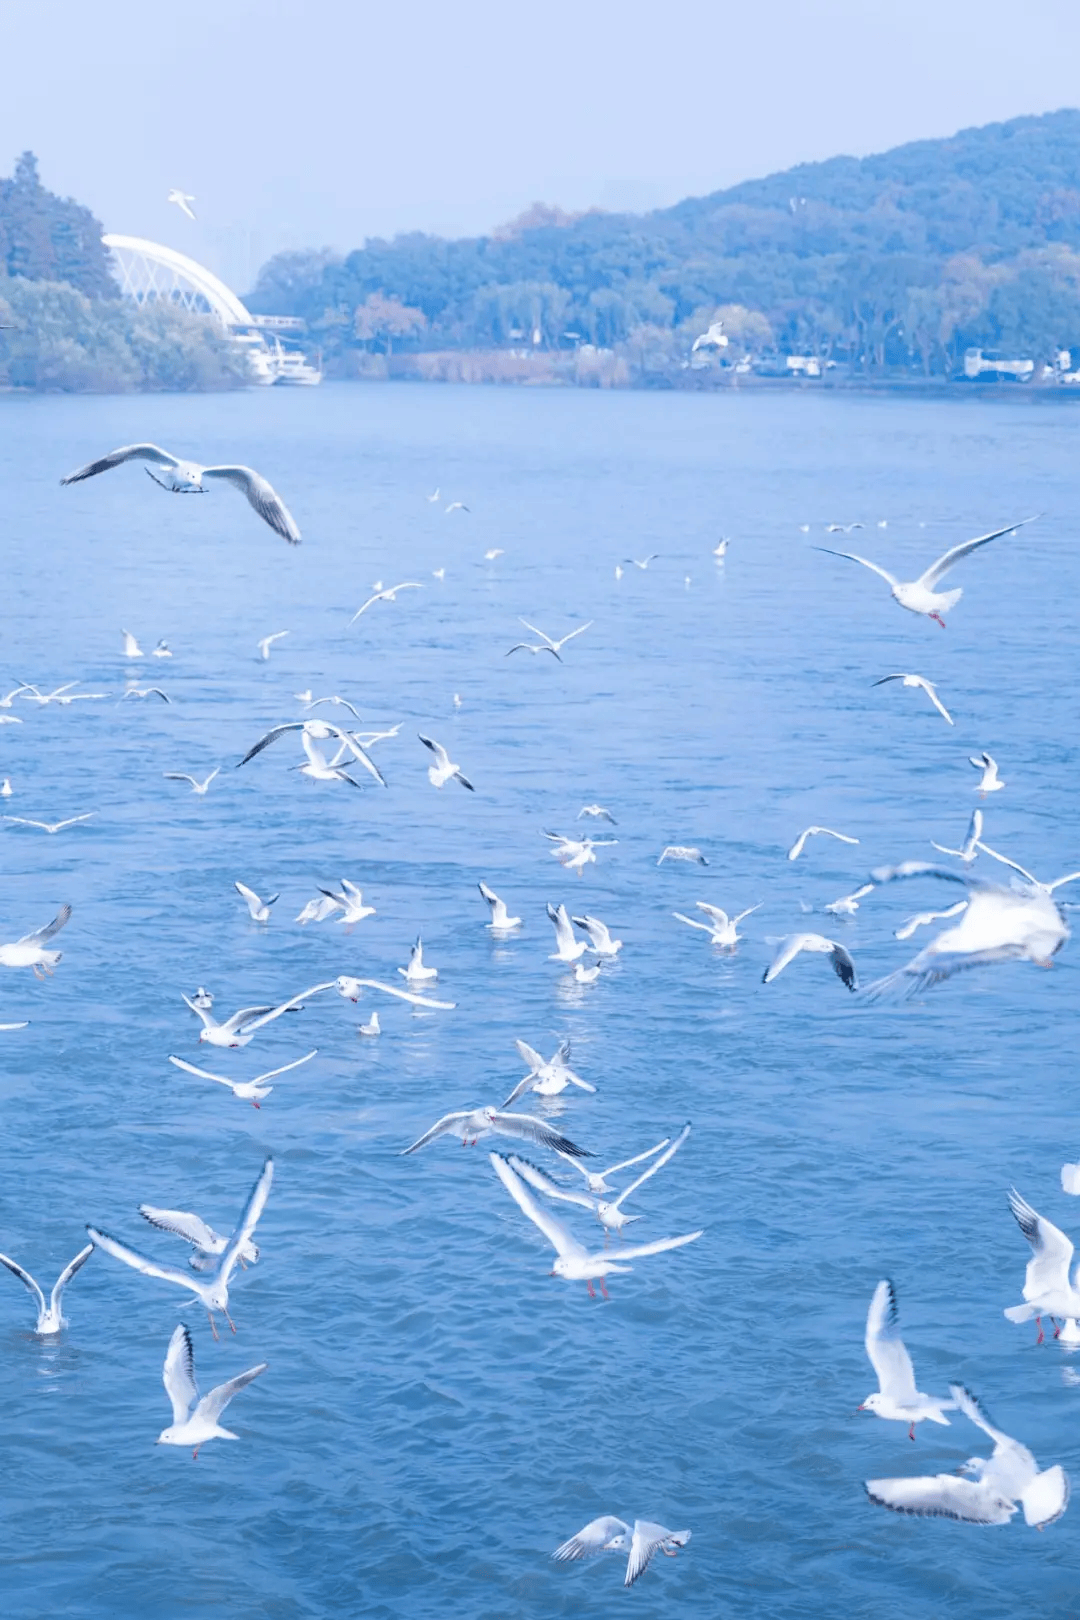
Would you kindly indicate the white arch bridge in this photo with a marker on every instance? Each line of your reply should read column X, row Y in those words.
column 148, row 271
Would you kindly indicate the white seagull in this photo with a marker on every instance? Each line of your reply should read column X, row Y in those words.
column 372, row 1026
column 350, row 902
column 195, row 1421
column 597, row 1181
column 644, row 562
column 259, row 910
column 241, row 1028
column 599, row 934
column 1029, row 878
column 162, row 650
column 387, row 595
column 416, row 972
column 815, row 832
column 548, row 643
column 609, row 1534
column 49, row 1317
column 547, row 1079
column 444, row 770
column 920, row 595
column 997, row 1486
column 131, row 646
column 51, row 827
column 923, row 919
column 722, row 929
column 573, row 1262
column 183, row 201
column 990, row 781
column 609, row 1212
column 720, row 549
column 267, row 642
column 29, row 951
column 598, row 813
column 350, row 990
column 575, row 854
column 922, row 685
column 196, row 785
column 473, row 1123
column 848, row 904
column 459, row 506
column 1049, row 1290
column 568, row 946
column 186, row 478
column 969, row 849
column 682, row 852
column 318, row 910
column 792, row 944
column 501, row 920
column 252, row 1091
column 214, row 1291
column 202, row 998
column 318, row 731
column 896, row 1397
column 997, row 925
column 206, row 1244
column 144, row 692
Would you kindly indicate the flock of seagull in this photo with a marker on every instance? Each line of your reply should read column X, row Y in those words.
column 996, row 922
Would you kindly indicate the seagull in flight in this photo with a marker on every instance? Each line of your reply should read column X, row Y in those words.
column 813, row 832
column 131, row 647
column 459, row 506
column 473, row 1123
column 240, row 1029
column 546, row 1079
column 494, row 553
column 29, row 951
column 317, row 765
column 259, row 910
column 921, row 684
column 793, row 944
column 682, row 852
column 921, row 595
column 597, row 812
column 969, row 850
column 575, row 854
column 387, row 595
column 205, row 1242
column 214, row 1291
column 252, row 1091
column 573, row 1262
column 991, row 781
column 1048, row 1288
column 501, row 920
column 596, row 1180
column 548, row 643
column 644, row 562
column 609, row 1211
column 842, row 528
column 923, row 919
column 183, row 201
column 51, row 827
column 848, row 904
column 186, row 478
column 609, row 1534
column 1028, row 877
column 49, row 1317
column 267, row 642
column 350, row 902
column 196, row 1421
column 722, row 929
column 351, row 990
column 601, row 942
column 997, row 925
column 142, row 692
column 196, row 785
column 444, row 770
column 896, row 1397
column 993, row 1489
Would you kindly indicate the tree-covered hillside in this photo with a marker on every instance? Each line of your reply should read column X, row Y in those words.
column 898, row 260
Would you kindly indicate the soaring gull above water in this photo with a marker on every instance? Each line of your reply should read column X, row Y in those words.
column 186, row 478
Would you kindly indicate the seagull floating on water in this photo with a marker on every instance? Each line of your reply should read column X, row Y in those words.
column 49, row 1318
column 1009, row 1479
column 920, row 595
column 568, row 946
column 195, row 1421
column 991, row 781
column 919, row 683
column 372, row 1027
column 609, row 1534
column 186, row 478
column 252, row 1091
column 896, row 1397
column 416, row 972
column 546, row 1079
column 601, row 942
column 815, row 832
column 259, row 910
column 791, row 946
column 501, row 920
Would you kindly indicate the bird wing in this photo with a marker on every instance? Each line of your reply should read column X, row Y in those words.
column 1071, row 877
column 402, row 995
column 790, row 946
column 523, row 1085
column 24, row 821
column 295, row 1064
column 887, row 1351
column 624, row 1164
column 25, row 1278
column 559, row 1236
column 973, row 1409
column 844, row 966
column 442, row 758
column 531, row 1129
column 530, row 1056
column 931, row 691
column 262, row 496
column 241, row 1018
column 592, row 1538
column 1005, row 861
column 719, row 915
column 627, row 1251
column 248, row 894
column 939, row 569
column 182, row 1224
column 40, row 935
column 647, row 1537
column 885, row 679
column 1047, row 1497
column 672, row 1149
column 597, row 931
column 203, row 1074
column 440, row 1127
column 579, row 631
column 68, row 1272
column 212, row 1405
column 268, row 1014
column 852, row 557
column 941, row 1496
column 178, row 1374
column 692, row 922
column 349, row 741
column 564, row 934
column 140, row 1262
column 129, row 452
column 1053, row 1251
column 378, row 597
column 178, row 776
column 249, row 1219
column 913, row 869
column 550, row 641
column 489, row 895
column 271, row 737
column 536, row 1178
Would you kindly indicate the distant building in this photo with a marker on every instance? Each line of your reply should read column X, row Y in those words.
column 980, row 363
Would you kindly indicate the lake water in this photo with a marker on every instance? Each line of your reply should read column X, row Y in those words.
column 438, row 1411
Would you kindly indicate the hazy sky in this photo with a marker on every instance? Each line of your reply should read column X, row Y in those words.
column 320, row 122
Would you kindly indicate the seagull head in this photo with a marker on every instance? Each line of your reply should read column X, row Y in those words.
column 349, row 988
column 489, row 1114
column 872, row 1403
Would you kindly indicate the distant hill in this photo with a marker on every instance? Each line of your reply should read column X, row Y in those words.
column 900, row 260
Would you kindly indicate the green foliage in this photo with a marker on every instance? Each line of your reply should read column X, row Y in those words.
column 48, row 238
column 61, row 340
column 902, row 259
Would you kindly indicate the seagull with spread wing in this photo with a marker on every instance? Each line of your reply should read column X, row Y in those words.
column 186, row 478
column 49, row 1317
column 195, row 1421
column 896, row 1397
column 920, row 684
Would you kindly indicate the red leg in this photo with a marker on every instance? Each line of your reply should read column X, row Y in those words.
column 589, row 1286
column 195, row 1455
column 911, row 1432
column 1042, row 1335
column 230, row 1321
column 213, row 1324
column 603, row 1290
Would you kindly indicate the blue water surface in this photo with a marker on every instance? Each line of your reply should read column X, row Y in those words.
column 439, row 1412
